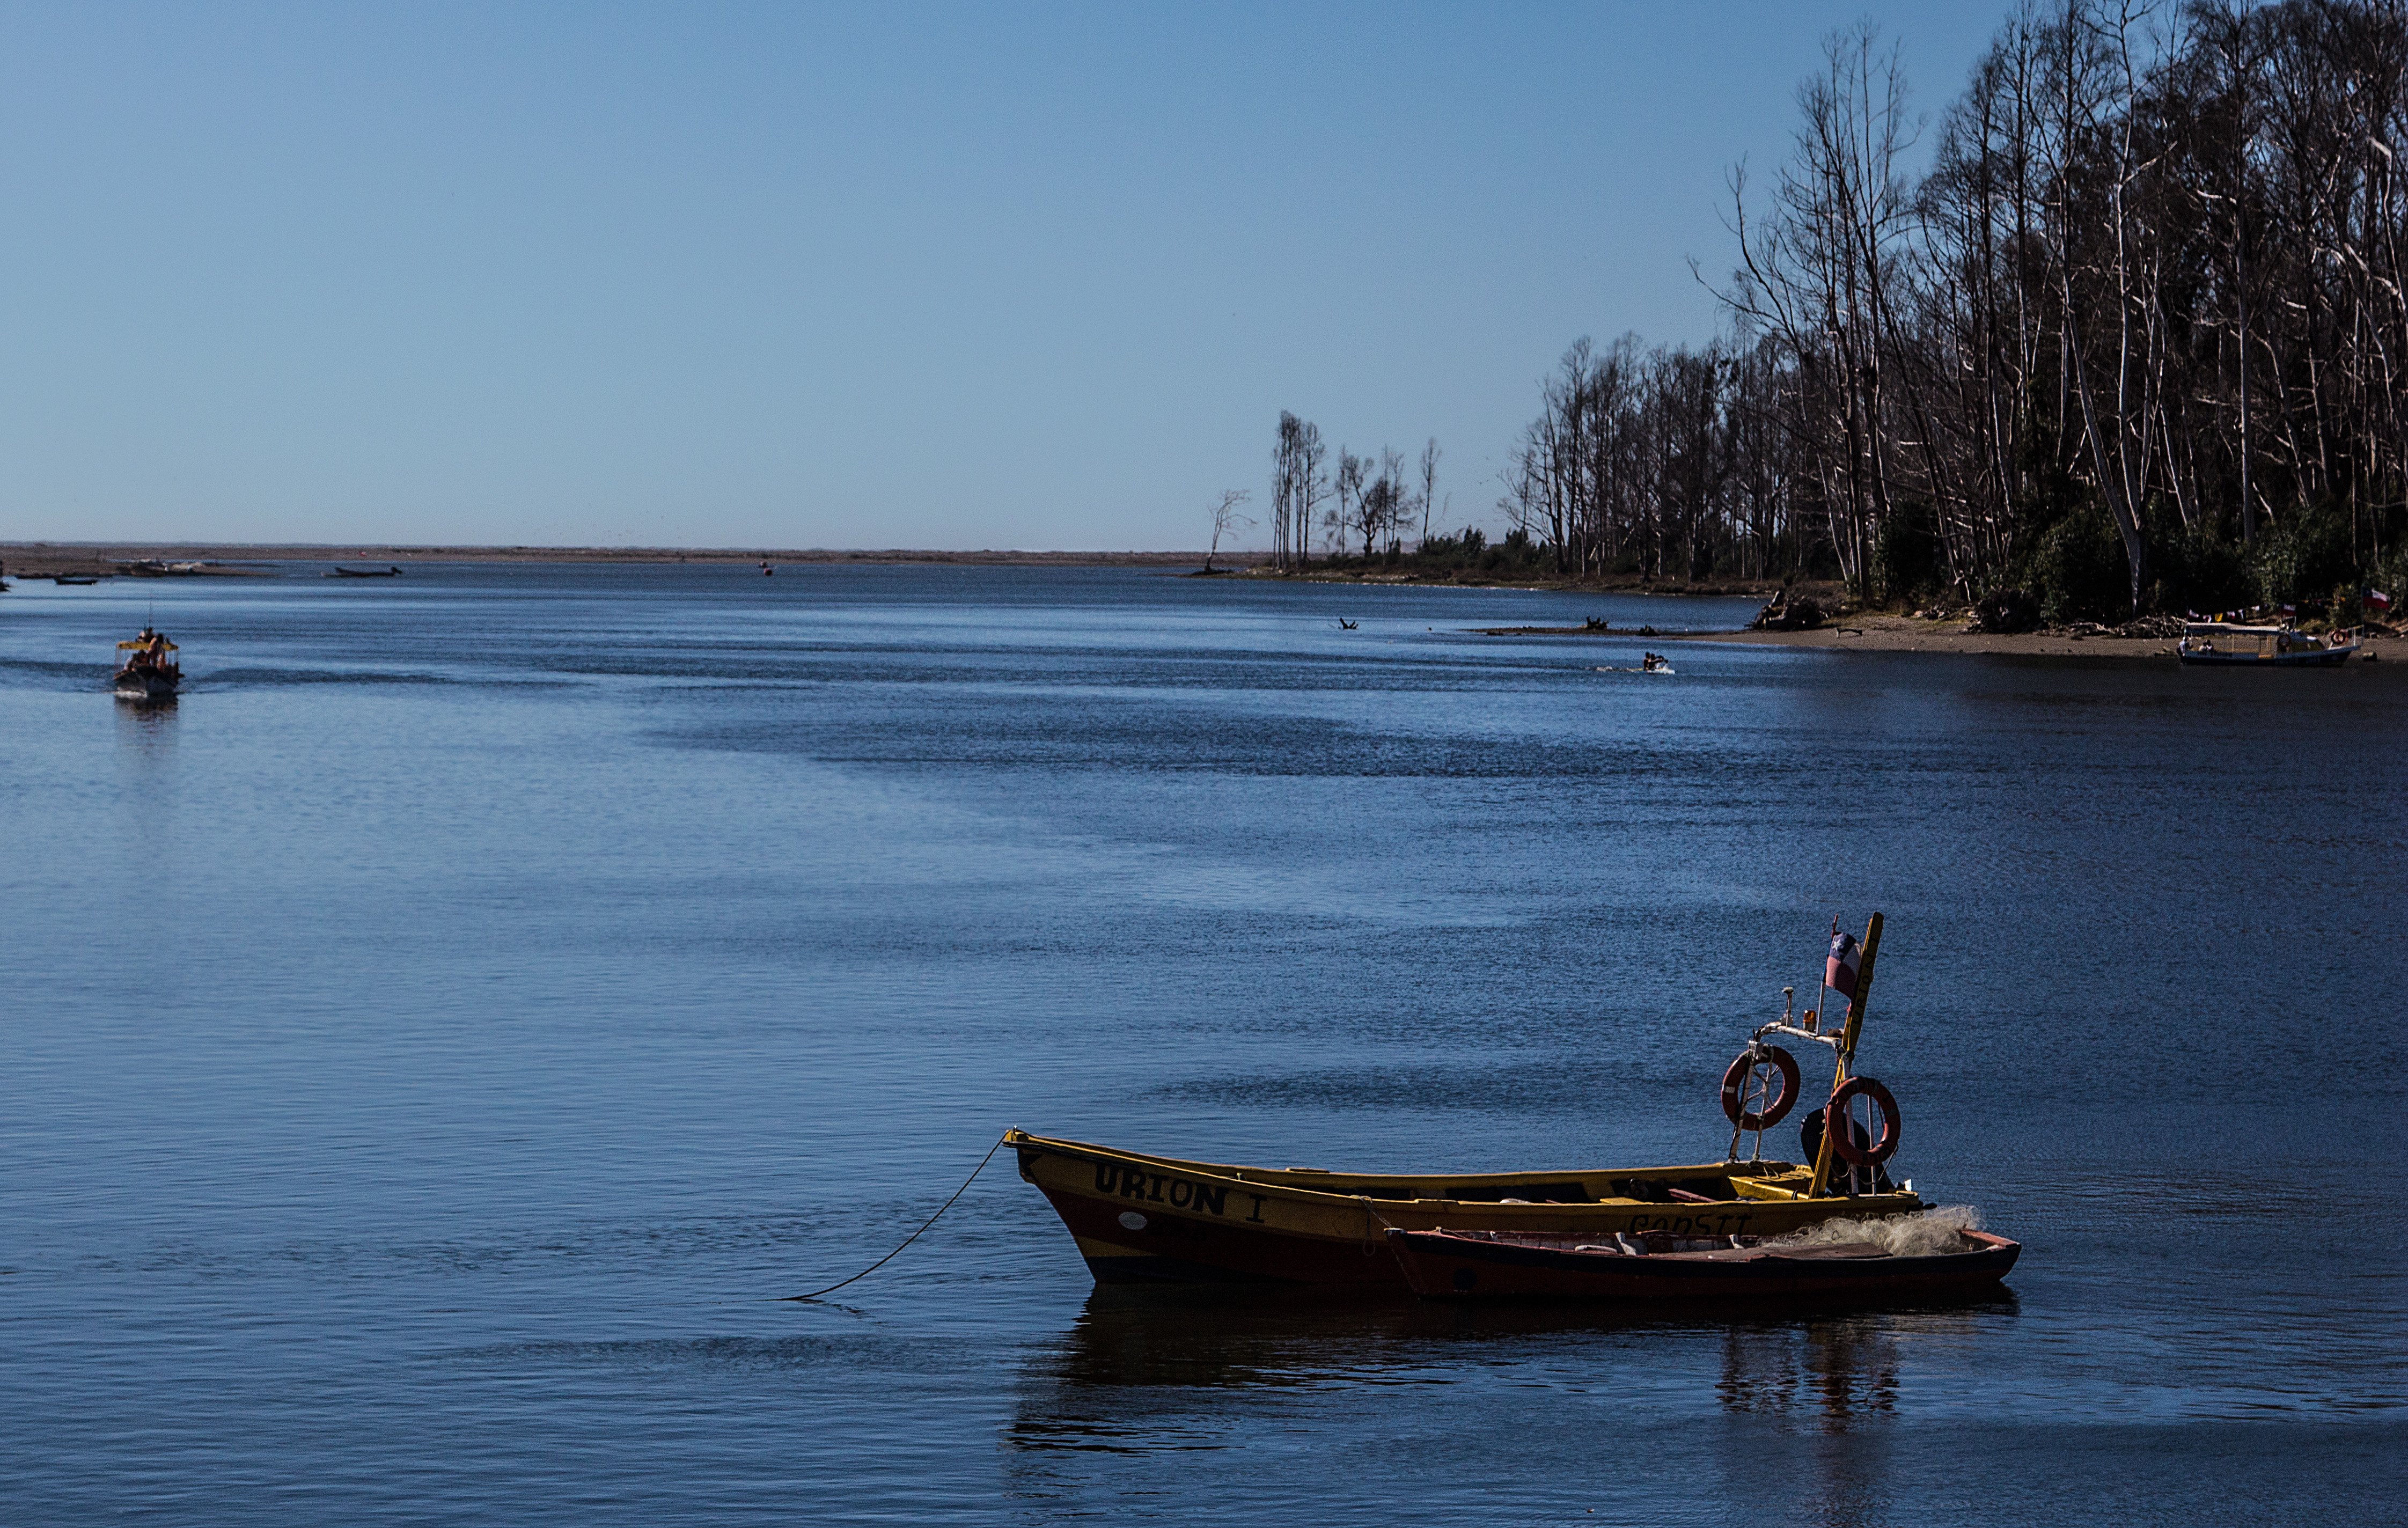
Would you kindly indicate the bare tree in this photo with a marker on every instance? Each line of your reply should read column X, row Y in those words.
column 1380, row 505
column 1312, row 485
column 1429, row 482
column 1343, row 515
column 1225, row 521
column 1397, row 501
column 1821, row 276
column 1297, row 484
column 1287, row 474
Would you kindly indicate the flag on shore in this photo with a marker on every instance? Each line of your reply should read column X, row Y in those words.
column 1840, row 971
column 2375, row 599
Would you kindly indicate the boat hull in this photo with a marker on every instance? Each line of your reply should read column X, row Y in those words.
column 1140, row 1219
column 146, row 684
column 1440, row 1266
column 2321, row 658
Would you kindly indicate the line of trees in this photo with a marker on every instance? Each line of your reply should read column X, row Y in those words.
column 2136, row 340
column 1376, row 501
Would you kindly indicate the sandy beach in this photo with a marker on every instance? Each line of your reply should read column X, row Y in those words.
column 1878, row 632
column 1904, row 633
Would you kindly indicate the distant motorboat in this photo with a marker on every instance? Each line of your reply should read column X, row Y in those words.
column 365, row 573
column 72, row 579
column 147, row 668
column 2222, row 642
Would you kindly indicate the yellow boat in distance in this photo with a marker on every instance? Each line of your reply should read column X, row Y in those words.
column 1147, row 1219
column 148, row 669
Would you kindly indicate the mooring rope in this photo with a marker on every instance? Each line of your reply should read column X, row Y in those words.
column 914, row 1235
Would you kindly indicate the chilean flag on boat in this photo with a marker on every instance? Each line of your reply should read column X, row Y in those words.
column 1840, row 971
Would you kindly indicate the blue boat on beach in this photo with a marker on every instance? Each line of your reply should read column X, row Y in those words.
column 2221, row 642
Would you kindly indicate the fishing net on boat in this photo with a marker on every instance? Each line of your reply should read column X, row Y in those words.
column 1930, row 1233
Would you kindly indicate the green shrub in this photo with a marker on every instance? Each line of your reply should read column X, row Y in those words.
column 2006, row 611
column 2195, row 571
column 2080, row 572
column 1908, row 551
column 2305, row 555
column 2391, row 577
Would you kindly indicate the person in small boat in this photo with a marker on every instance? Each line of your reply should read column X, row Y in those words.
column 1810, row 1138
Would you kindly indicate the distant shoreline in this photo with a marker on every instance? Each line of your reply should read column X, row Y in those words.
column 1613, row 583
column 42, row 559
column 1856, row 632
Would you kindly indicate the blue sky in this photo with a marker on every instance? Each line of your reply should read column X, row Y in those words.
column 1002, row 275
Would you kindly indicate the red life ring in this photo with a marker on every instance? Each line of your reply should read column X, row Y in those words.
column 1884, row 1146
column 1735, row 1087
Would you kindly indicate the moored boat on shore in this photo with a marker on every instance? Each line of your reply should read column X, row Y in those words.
column 2218, row 642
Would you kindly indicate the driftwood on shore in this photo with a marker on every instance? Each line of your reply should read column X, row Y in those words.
column 1787, row 612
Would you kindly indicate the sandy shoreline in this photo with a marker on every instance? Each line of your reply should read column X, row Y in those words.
column 1904, row 633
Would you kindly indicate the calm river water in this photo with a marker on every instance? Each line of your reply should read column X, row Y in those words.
column 433, row 1046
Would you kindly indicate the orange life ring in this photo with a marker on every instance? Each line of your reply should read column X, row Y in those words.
column 1883, row 1147
column 1735, row 1087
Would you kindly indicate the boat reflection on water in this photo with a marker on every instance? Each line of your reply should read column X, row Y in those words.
column 1831, row 1372
column 146, row 726
column 1137, row 1363
column 1255, row 1406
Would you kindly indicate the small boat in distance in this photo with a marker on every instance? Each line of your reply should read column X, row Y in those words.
column 2222, row 642
column 1657, row 1266
column 72, row 580
column 147, row 667
column 365, row 573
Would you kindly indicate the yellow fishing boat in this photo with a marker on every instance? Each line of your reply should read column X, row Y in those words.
column 1139, row 1217
column 1142, row 1218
